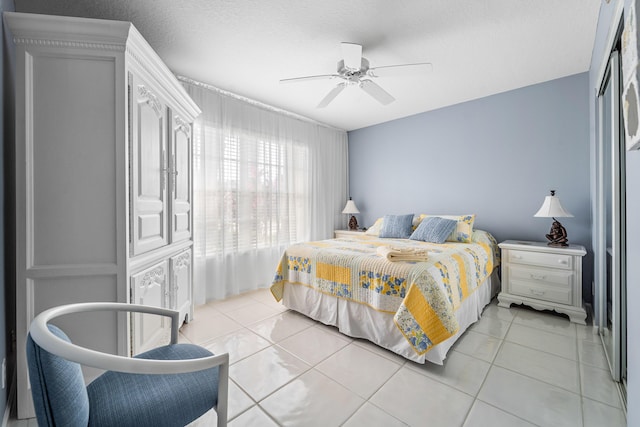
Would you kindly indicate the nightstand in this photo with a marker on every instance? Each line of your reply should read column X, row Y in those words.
column 543, row 277
column 350, row 234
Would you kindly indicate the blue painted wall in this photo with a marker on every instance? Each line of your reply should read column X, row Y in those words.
column 7, row 302
column 497, row 157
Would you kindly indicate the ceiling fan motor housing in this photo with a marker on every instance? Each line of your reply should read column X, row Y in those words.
column 352, row 75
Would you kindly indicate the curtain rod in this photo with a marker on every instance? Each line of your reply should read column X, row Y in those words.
column 256, row 103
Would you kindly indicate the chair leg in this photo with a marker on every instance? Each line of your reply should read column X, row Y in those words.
column 223, row 393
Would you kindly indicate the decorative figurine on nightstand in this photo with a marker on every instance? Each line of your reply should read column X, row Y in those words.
column 551, row 208
column 351, row 209
column 558, row 235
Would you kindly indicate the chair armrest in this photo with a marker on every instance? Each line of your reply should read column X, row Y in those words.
column 44, row 338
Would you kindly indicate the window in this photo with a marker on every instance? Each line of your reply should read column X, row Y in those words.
column 262, row 180
column 258, row 190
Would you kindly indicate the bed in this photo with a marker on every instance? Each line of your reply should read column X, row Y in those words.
column 415, row 309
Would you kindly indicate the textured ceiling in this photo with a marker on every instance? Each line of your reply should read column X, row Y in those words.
column 477, row 48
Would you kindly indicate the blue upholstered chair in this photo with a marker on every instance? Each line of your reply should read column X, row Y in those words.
column 171, row 385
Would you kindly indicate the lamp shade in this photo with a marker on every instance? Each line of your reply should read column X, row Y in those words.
column 350, row 207
column 551, row 208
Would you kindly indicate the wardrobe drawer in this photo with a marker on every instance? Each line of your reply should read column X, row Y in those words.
column 542, row 259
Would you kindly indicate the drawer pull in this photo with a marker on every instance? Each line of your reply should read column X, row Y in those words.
column 538, row 293
column 517, row 256
column 538, row 276
column 562, row 261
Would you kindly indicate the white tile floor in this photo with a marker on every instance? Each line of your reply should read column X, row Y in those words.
column 515, row 367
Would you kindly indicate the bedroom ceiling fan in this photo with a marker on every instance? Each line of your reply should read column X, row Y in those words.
column 353, row 69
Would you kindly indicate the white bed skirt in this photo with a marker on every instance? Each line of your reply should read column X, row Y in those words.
column 360, row 321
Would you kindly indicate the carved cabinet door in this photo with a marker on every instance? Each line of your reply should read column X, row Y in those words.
column 149, row 287
column 180, row 178
column 149, row 167
column 181, row 273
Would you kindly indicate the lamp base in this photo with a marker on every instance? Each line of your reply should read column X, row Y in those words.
column 353, row 223
column 557, row 236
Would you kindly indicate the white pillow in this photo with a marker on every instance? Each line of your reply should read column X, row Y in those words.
column 374, row 230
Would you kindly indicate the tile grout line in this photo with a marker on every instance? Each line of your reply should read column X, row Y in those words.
column 551, row 354
column 579, row 365
column 368, row 400
column 539, row 349
column 475, row 398
column 519, row 373
column 248, row 395
column 314, row 367
column 256, row 403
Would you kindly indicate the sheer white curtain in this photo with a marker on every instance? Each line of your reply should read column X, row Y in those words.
column 262, row 180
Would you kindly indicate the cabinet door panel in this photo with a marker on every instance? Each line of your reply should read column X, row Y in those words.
column 181, row 179
column 181, row 274
column 149, row 287
column 148, row 169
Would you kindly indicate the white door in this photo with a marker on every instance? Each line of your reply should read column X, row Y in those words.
column 148, row 168
column 149, row 287
column 181, row 284
column 180, row 179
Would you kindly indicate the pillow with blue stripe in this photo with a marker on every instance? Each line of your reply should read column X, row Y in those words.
column 397, row 226
column 464, row 227
column 434, row 229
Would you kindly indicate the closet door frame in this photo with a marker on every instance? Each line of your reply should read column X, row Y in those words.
column 610, row 74
column 612, row 142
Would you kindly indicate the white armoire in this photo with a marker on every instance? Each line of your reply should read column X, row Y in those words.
column 103, row 183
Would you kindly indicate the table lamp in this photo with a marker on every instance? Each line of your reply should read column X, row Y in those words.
column 551, row 208
column 351, row 209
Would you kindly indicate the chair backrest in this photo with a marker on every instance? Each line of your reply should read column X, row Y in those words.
column 57, row 386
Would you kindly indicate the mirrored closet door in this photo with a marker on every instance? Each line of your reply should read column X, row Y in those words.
column 610, row 245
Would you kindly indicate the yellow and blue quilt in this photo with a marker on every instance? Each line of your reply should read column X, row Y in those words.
column 422, row 296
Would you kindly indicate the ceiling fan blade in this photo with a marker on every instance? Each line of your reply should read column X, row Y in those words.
column 309, row 78
column 331, row 95
column 352, row 55
column 379, row 94
column 401, row 70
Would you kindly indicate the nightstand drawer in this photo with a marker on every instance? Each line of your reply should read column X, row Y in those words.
column 541, row 259
column 541, row 291
column 557, row 278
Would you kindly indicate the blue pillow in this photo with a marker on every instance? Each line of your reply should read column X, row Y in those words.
column 434, row 229
column 397, row 226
